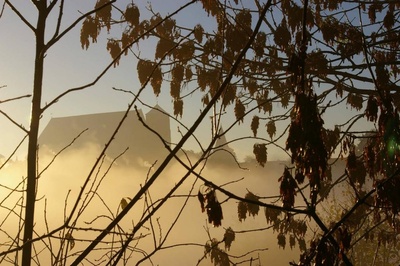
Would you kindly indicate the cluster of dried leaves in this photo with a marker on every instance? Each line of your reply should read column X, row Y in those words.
column 209, row 203
column 279, row 69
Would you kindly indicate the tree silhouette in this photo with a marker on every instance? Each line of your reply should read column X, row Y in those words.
column 288, row 65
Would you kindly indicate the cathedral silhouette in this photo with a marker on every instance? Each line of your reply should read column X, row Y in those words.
column 98, row 128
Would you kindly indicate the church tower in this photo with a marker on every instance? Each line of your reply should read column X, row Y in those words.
column 158, row 120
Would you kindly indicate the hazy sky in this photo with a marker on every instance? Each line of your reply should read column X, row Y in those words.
column 68, row 66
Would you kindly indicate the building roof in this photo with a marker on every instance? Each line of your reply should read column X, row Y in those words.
column 98, row 129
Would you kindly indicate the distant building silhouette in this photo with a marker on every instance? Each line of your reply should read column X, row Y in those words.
column 223, row 153
column 142, row 143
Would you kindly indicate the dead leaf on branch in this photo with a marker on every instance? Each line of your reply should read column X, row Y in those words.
column 209, row 203
column 178, row 107
column 217, row 255
column 198, row 33
column 260, row 151
column 229, row 237
column 90, row 29
column 71, row 240
column 114, row 49
column 163, row 47
column 156, row 80
column 104, row 14
column 132, row 14
column 242, row 211
column 239, row 110
column 123, row 203
column 272, row 215
column 371, row 112
column 252, row 208
column 271, row 128
column 255, row 122
column 282, row 35
column 281, row 240
column 287, row 189
column 145, row 69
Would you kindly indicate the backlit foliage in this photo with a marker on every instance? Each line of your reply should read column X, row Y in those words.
column 229, row 237
column 260, row 151
column 209, row 203
column 217, row 255
column 304, row 62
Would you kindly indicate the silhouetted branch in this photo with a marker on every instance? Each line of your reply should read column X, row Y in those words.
column 16, row 11
column 15, row 98
column 14, row 122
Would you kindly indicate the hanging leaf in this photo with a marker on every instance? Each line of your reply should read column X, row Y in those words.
column 287, row 189
column 243, row 19
column 239, row 110
column 372, row 13
column 156, row 80
column 90, row 29
column 388, row 20
column 188, row 73
column 126, row 40
column 255, row 122
column 178, row 107
column 292, row 241
column 302, row 244
column 331, row 138
column 281, row 240
column 201, row 78
column 175, row 89
column 260, row 151
column 282, row 36
column 201, row 199
column 205, row 99
column 213, row 208
column 229, row 237
column 242, row 210
column 252, row 208
column 229, row 96
column 123, row 203
column 251, row 86
column 163, row 47
column 285, row 98
column 236, row 38
column 115, row 50
column 259, row 44
column 185, row 51
column 299, row 177
column 355, row 101
column 329, row 29
column 317, row 63
column 217, row 255
column 104, row 14
column 271, row 128
column 166, row 28
column 145, row 69
column 272, row 215
column 71, row 240
column 132, row 14
column 211, row 7
column 178, row 73
column 198, row 33
column 295, row 16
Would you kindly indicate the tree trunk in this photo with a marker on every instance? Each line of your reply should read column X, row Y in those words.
column 33, row 135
